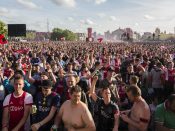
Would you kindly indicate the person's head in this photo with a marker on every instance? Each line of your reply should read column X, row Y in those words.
column 133, row 92
column 52, row 55
column 18, row 83
column 110, row 72
column 61, row 72
column 84, row 69
column 106, row 93
column 97, row 64
column 75, row 93
column 171, row 102
column 137, row 61
column 130, row 68
column 44, row 76
column 46, row 86
column 35, row 68
column 9, row 64
column 69, row 66
column 170, row 65
column 133, row 80
column 71, row 81
column 159, row 65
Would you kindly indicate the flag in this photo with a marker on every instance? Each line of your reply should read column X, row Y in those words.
column 21, row 51
column 100, row 40
column 2, row 39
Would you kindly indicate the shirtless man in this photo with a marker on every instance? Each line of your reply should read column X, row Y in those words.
column 75, row 114
column 139, row 116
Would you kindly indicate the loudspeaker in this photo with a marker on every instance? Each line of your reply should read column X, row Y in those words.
column 16, row 30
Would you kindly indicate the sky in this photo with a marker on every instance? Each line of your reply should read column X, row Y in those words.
column 101, row 15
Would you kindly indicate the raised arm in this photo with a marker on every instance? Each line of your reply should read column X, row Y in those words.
column 30, row 78
column 92, row 89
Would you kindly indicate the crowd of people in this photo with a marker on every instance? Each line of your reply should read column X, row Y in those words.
column 87, row 86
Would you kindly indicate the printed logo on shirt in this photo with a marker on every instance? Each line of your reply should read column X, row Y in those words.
column 44, row 109
column 16, row 108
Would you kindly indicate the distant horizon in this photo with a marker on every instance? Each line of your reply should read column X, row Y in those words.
column 102, row 15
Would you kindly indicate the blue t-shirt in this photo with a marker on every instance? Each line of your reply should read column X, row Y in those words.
column 44, row 105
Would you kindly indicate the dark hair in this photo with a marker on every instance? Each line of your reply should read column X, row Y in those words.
column 135, row 90
column 18, row 77
column 46, row 84
column 76, row 89
column 44, row 73
column 97, row 63
column 171, row 98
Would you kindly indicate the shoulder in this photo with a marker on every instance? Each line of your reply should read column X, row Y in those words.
column 143, row 106
column 83, row 107
column 8, row 96
column 160, row 108
column 114, row 106
column 66, row 103
column 7, row 100
column 28, row 99
column 28, row 94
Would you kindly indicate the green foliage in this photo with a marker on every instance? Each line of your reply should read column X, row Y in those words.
column 3, row 28
column 58, row 33
column 30, row 35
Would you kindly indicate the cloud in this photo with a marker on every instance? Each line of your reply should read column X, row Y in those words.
column 101, row 15
column 67, row 3
column 148, row 17
column 136, row 24
column 112, row 18
column 28, row 4
column 3, row 11
column 70, row 19
column 100, row 1
column 87, row 22
column 6, row 13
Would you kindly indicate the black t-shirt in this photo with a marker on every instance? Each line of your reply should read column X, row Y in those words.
column 106, row 115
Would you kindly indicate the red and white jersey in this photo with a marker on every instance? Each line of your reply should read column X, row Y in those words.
column 16, row 107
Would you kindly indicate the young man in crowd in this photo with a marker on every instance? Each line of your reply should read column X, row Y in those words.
column 47, row 104
column 74, row 113
column 139, row 116
column 165, row 115
column 17, row 107
column 107, row 112
column 71, row 82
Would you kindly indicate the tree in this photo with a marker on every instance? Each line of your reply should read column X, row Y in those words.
column 3, row 28
column 30, row 35
column 58, row 33
column 157, row 31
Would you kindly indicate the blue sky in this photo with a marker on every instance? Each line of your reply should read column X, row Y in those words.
column 101, row 15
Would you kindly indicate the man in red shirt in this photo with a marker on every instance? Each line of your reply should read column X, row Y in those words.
column 16, row 107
